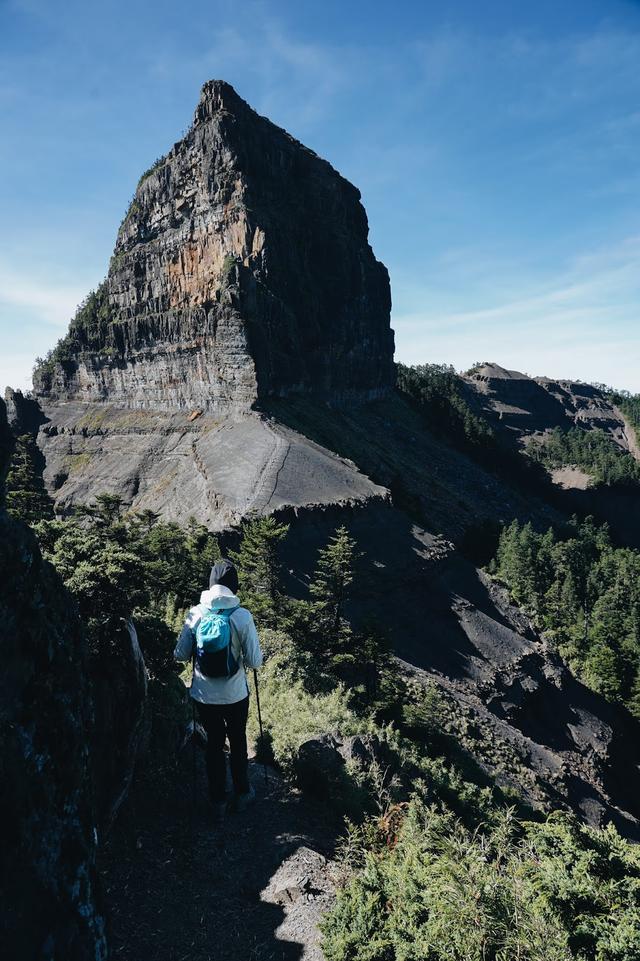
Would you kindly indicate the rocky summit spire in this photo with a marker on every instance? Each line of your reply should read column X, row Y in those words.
column 242, row 269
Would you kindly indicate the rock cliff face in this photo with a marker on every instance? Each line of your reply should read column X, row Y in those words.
column 47, row 857
column 217, row 471
column 241, row 270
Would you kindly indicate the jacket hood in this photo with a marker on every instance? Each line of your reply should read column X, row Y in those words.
column 219, row 596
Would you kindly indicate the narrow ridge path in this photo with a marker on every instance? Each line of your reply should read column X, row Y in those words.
column 176, row 892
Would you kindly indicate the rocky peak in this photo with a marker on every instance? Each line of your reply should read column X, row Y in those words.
column 218, row 95
column 242, row 269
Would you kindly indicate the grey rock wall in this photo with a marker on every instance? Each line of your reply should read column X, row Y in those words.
column 519, row 406
column 241, row 270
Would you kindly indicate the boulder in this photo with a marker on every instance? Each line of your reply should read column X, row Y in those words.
column 321, row 761
column 319, row 764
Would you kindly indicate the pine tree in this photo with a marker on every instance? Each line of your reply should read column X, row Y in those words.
column 105, row 512
column 329, row 589
column 26, row 496
column 333, row 577
column 258, row 567
column 604, row 671
column 143, row 521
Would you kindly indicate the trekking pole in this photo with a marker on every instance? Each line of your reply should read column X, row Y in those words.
column 194, row 746
column 264, row 763
column 195, row 759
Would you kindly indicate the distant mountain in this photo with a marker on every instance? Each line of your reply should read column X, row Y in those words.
column 526, row 407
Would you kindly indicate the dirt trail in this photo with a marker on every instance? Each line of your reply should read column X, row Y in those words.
column 176, row 892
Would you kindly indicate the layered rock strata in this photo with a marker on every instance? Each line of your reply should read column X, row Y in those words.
column 241, row 270
column 218, row 471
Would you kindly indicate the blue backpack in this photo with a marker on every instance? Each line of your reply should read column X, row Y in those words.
column 213, row 653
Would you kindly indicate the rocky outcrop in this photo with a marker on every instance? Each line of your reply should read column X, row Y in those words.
column 24, row 414
column 523, row 409
column 514, row 705
column 519, row 406
column 122, row 719
column 241, row 270
column 321, row 761
column 6, row 449
column 47, row 857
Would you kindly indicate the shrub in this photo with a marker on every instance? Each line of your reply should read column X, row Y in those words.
column 290, row 714
column 435, row 890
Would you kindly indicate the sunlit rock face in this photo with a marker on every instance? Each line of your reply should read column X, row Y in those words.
column 241, row 270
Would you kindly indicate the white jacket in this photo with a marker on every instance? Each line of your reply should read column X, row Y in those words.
column 245, row 647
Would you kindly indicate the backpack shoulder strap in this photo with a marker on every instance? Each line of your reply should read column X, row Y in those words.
column 194, row 619
column 227, row 611
column 236, row 644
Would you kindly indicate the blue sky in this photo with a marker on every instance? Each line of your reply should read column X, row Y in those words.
column 495, row 143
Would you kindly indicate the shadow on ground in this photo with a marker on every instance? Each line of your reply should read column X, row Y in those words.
column 175, row 891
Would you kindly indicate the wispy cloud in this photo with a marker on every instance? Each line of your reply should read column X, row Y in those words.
column 297, row 79
column 42, row 297
column 539, row 76
column 581, row 322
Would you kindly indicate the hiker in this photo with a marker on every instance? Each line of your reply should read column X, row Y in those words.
column 221, row 638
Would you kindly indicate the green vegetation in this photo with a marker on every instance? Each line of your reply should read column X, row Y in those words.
column 131, row 211
column 87, row 331
column 76, row 462
column 132, row 566
column 629, row 404
column 292, row 713
column 134, row 206
column 119, row 566
column 585, row 595
column 158, row 162
column 438, row 391
column 26, row 496
column 429, row 889
column 229, row 265
column 592, row 450
column 435, row 864
column 259, row 569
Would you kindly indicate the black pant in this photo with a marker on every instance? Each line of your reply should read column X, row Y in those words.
column 222, row 721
